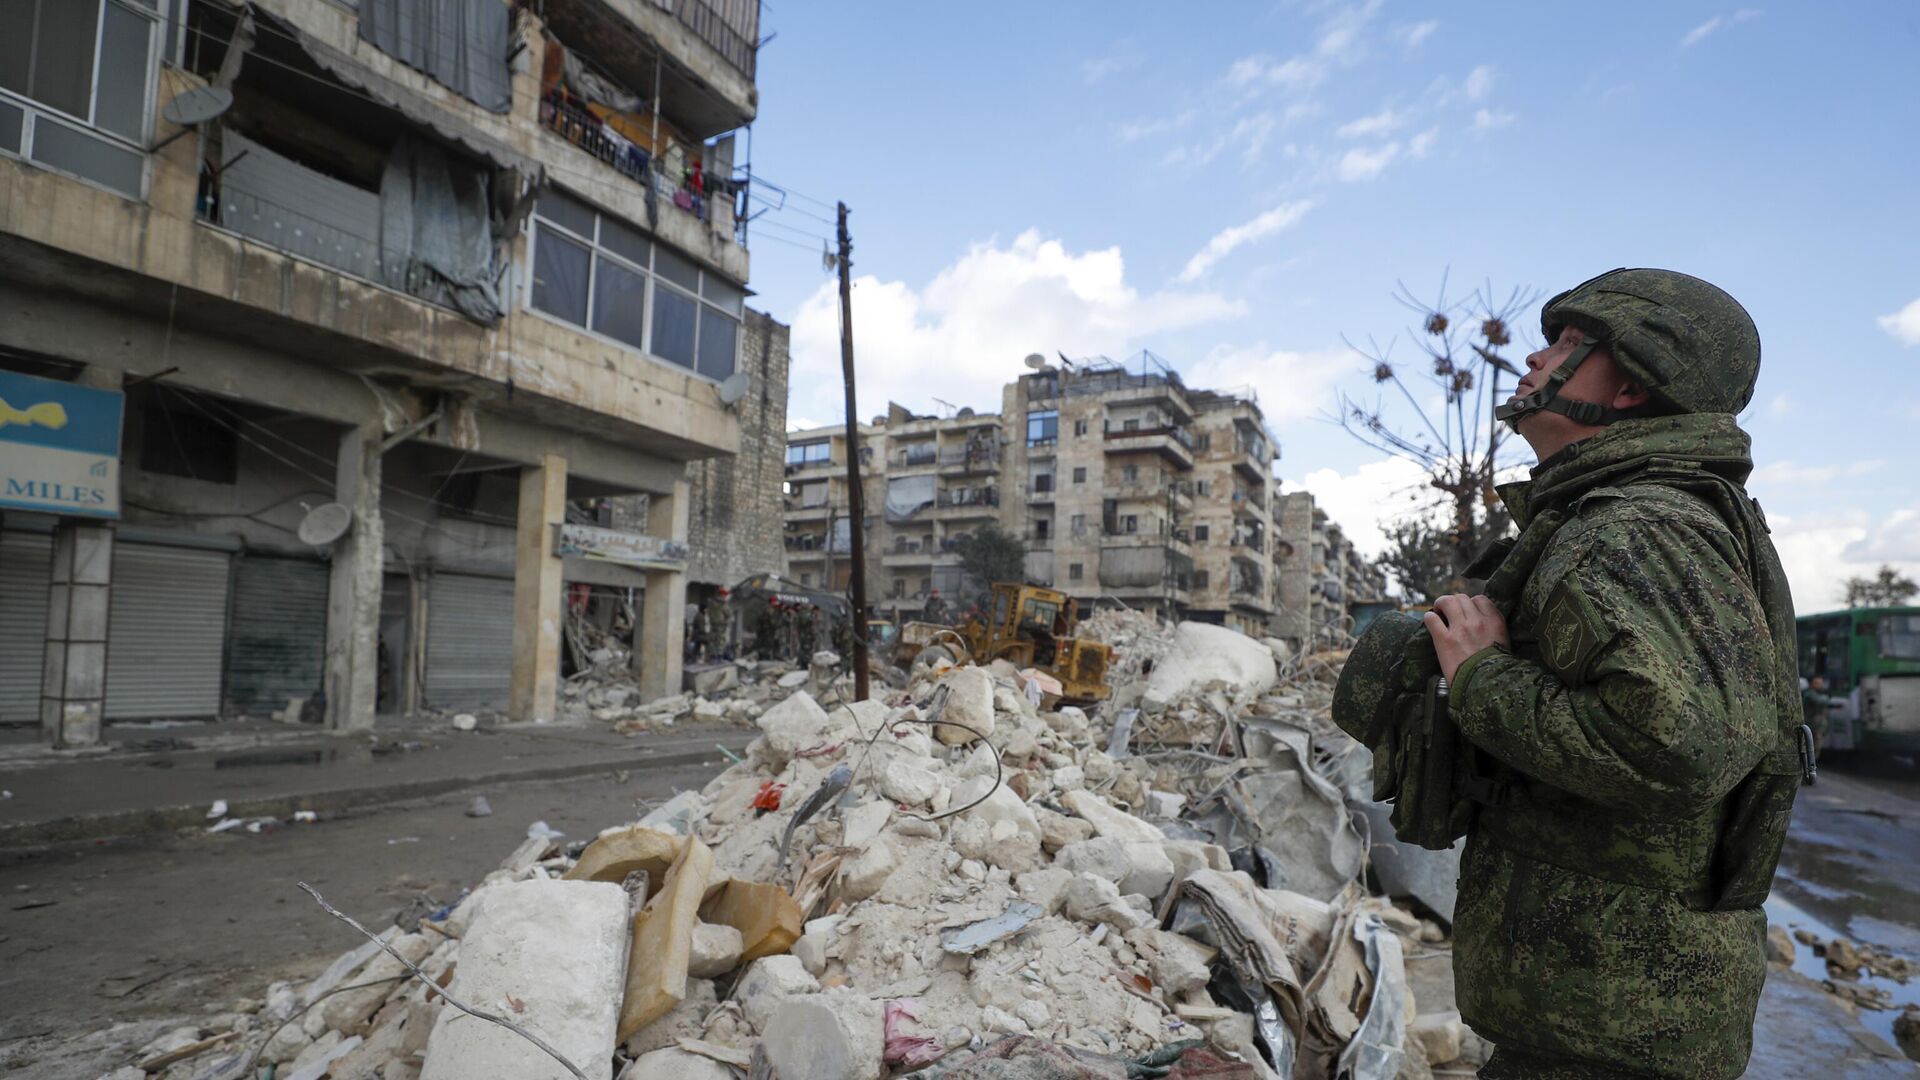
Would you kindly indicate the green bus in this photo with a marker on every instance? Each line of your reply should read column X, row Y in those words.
column 1871, row 659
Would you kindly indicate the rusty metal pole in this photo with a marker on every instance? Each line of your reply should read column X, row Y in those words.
column 856, row 509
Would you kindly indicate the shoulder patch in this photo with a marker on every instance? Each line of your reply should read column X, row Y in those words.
column 1571, row 632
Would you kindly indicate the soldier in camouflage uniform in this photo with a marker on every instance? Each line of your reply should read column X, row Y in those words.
column 1639, row 694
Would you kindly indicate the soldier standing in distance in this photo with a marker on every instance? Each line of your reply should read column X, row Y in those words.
column 1639, row 696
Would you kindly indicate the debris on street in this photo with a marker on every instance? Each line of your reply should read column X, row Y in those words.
column 950, row 881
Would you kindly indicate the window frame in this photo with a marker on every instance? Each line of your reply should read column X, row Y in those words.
column 1041, row 417
column 653, row 280
column 33, row 110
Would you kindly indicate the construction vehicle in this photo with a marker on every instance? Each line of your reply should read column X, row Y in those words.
column 1029, row 627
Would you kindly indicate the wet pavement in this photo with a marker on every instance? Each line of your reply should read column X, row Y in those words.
column 1850, row 869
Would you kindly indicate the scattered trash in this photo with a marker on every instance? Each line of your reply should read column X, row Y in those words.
column 767, row 799
column 218, row 810
column 970, row 939
column 226, row 825
column 480, row 807
column 392, row 840
column 465, row 721
column 540, row 830
column 305, row 817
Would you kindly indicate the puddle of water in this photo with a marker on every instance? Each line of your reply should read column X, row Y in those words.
column 1785, row 913
column 277, row 757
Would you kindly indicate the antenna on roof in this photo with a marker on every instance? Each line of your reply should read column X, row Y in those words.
column 1066, row 363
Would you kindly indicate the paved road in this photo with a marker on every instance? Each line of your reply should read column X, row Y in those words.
column 191, row 922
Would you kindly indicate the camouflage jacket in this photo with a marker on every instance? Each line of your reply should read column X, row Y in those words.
column 1651, row 671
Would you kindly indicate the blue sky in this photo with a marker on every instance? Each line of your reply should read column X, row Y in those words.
column 1236, row 186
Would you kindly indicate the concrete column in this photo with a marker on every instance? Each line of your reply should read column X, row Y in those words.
column 660, row 643
column 353, row 592
column 533, row 694
column 73, row 687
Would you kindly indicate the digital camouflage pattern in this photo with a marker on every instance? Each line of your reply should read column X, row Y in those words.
column 1608, row 909
column 1689, row 343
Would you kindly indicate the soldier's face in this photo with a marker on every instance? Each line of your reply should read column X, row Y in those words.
column 1597, row 379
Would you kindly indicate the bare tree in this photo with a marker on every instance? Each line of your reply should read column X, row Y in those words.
column 1455, row 440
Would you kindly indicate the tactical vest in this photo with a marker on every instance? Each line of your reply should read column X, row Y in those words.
column 1392, row 699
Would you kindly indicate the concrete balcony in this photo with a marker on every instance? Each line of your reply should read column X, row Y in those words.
column 1171, row 444
column 705, row 51
column 961, row 463
column 912, row 556
column 815, row 470
column 795, row 512
column 1253, row 469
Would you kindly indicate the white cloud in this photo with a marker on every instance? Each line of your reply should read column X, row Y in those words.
column 1294, row 73
column 1384, row 122
column 1819, row 555
column 1135, row 130
column 1479, row 83
column 1422, row 144
column 1249, row 133
column 1904, row 324
column 1292, row 385
column 962, row 335
column 1895, row 539
column 1226, row 240
column 1360, row 164
column 1366, row 500
column 1719, row 22
column 1412, row 34
column 1490, row 119
column 1096, row 69
column 1781, row 477
column 1781, row 405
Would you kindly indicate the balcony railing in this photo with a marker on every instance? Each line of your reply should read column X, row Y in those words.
column 969, row 497
column 565, row 116
column 732, row 27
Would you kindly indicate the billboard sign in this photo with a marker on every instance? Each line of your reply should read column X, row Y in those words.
column 59, row 447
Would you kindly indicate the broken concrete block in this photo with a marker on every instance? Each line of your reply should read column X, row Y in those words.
column 1001, row 844
column 1109, row 820
column 867, row 872
column 1059, row 830
column 286, row 1045
column 766, row 916
column 769, row 984
column 1070, row 778
column 792, row 680
column 969, row 702
column 348, row 1011
column 864, row 822
column 663, row 940
column 905, row 782
column 798, row 723
column 836, row 1035
column 1046, row 888
column 685, row 1020
column 709, row 711
column 560, row 949
column 1001, row 805
column 714, row 950
column 674, row 1063
column 1177, row 963
column 1780, row 949
column 1202, row 654
column 713, row 680
column 1440, row 1034
column 1134, row 867
column 1095, row 899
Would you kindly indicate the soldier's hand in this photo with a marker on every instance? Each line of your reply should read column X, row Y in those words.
column 1463, row 625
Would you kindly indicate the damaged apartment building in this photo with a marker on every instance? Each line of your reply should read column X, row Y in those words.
column 328, row 328
column 1126, row 487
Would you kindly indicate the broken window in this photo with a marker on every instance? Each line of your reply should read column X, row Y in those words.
column 1079, row 427
column 74, row 82
column 183, row 437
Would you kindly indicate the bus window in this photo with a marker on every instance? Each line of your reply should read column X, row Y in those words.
column 1900, row 637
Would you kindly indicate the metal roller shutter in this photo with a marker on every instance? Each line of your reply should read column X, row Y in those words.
column 278, row 646
column 166, row 631
column 469, row 641
column 26, row 565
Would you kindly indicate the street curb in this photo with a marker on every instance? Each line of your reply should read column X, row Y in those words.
column 125, row 823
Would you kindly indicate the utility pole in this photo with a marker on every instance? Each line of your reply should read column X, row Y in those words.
column 856, row 509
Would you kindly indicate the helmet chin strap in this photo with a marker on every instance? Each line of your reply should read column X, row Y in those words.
column 1548, row 399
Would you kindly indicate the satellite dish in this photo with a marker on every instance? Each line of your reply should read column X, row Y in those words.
column 1036, row 361
column 326, row 523
column 197, row 106
column 966, row 412
column 735, row 387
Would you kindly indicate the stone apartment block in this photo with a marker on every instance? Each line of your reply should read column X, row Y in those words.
column 449, row 281
column 1127, row 487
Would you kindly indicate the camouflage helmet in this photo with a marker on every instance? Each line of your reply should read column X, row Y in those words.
column 1692, row 346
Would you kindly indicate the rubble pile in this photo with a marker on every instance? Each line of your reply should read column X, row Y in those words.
column 947, row 882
